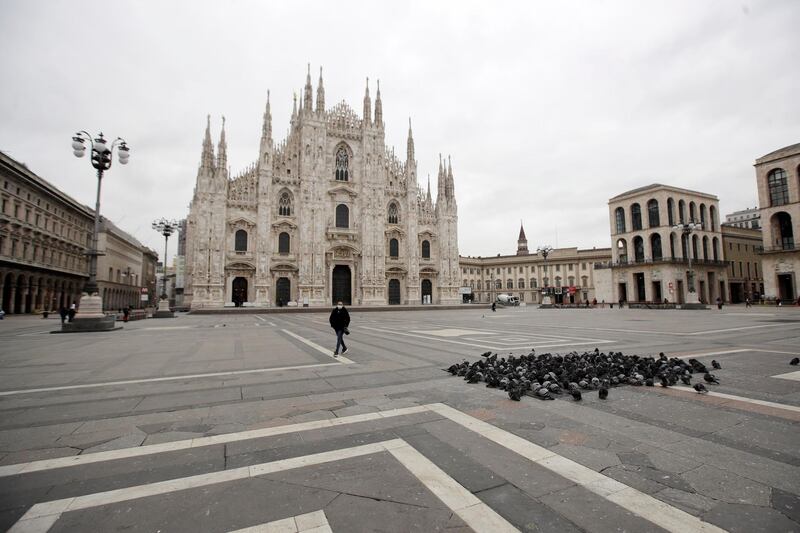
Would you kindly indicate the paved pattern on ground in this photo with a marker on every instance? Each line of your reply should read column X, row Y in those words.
column 247, row 423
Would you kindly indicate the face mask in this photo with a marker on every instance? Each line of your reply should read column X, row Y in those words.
column 339, row 306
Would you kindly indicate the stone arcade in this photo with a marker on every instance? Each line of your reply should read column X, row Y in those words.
column 327, row 214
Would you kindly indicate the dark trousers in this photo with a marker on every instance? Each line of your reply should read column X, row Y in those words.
column 340, row 340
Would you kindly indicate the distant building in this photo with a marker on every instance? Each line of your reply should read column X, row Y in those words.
column 567, row 275
column 742, row 249
column 650, row 258
column 746, row 218
column 120, row 268
column 778, row 179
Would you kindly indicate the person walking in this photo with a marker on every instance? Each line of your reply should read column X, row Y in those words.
column 747, row 303
column 494, row 307
column 719, row 302
column 63, row 313
column 340, row 320
column 73, row 309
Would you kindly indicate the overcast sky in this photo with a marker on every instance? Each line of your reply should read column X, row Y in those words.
column 548, row 109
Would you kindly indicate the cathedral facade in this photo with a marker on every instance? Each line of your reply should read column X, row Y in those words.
column 327, row 214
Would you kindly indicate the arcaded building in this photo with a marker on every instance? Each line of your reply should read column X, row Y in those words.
column 778, row 178
column 330, row 213
column 650, row 259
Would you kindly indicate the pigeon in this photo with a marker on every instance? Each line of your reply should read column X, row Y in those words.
column 711, row 378
column 715, row 365
column 576, row 395
column 544, row 375
column 795, row 361
column 700, row 388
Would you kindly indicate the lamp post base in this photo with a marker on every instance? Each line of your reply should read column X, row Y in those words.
column 90, row 317
column 163, row 310
column 692, row 302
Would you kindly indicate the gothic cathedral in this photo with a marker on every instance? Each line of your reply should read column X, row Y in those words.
column 327, row 214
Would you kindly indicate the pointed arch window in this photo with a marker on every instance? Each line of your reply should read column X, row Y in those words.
column 342, row 216
column 285, row 204
column 342, row 164
column 393, row 217
column 426, row 249
column 284, row 243
column 240, row 241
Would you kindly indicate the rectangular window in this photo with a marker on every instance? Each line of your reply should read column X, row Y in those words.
column 570, row 267
column 4, row 206
column 583, row 266
column 558, row 268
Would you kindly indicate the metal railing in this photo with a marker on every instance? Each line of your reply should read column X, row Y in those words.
column 665, row 260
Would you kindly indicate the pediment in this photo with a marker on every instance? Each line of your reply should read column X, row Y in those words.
column 343, row 189
column 284, row 267
column 284, row 223
column 396, row 270
column 395, row 230
column 240, row 265
column 241, row 222
column 427, row 233
column 428, row 270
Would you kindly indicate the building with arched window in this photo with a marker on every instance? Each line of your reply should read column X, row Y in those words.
column 327, row 214
column 778, row 179
column 650, row 259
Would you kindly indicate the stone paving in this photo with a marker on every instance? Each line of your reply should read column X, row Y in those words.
column 247, row 423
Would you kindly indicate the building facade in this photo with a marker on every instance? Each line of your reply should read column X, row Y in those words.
column 43, row 236
column 121, row 267
column 778, row 179
column 742, row 247
column 650, row 259
column 327, row 214
column 567, row 274
column 746, row 218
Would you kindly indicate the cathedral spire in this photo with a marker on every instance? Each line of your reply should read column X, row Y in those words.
column 429, row 199
column 294, row 106
column 266, row 128
column 308, row 100
column 367, row 106
column 378, row 107
column 451, row 187
column 320, row 95
column 410, row 143
column 222, row 149
column 441, row 185
column 207, row 158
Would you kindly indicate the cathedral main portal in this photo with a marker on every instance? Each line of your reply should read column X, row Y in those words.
column 342, row 285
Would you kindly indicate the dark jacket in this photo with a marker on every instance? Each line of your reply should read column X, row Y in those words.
column 340, row 318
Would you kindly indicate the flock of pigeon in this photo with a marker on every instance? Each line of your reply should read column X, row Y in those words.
column 546, row 375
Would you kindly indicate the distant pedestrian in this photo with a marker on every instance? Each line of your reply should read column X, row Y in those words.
column 494, row 307
column 620, row 303
column 125, row 313
column 719, row 302
column 747, row 303
column 73, row 310
column 340, row 320
column 63, row 313
column 2, row 314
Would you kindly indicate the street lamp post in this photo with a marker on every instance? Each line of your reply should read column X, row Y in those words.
column 166, row 228
column 544, row 251
column 91, row 317
column 687, row 230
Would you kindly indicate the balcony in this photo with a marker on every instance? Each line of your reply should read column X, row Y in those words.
column 786, row 246
column 665, row 260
